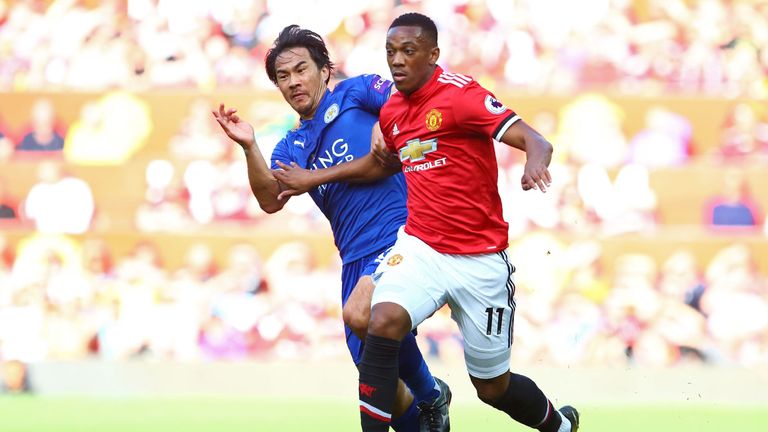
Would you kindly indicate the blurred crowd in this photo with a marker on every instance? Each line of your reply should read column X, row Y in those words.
column 63, row 297
column 643, row 47
column 63, row 300
column 66, row 294
column 198, row 177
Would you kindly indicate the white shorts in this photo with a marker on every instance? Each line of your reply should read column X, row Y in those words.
column 478, row 288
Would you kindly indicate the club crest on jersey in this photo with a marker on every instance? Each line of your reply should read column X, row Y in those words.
column 493, row 106
column 331, row 113
column 394, row 260
column 434, row 119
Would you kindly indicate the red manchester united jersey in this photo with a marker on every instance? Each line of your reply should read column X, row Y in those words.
column 443, row 134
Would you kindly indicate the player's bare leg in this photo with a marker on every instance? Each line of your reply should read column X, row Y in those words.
column 403, row 400
column 379, row 369
column 356, row 314
column 521, row 399
column 357, row 310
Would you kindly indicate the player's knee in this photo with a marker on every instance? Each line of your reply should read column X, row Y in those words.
column 356, row 319
column 389, row 320
column 490, row 392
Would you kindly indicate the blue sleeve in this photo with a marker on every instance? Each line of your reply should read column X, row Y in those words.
column 371, row 92
column 280, row 153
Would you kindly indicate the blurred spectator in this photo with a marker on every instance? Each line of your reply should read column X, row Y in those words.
column 626, row 205
column 665, row 140
column 8, row 205
column 164, row 206
column 587, row 277
column 6, row 265
column 6, row 147
column 243, row 273
column 119, row 118
column 590, row 131
column 680, row 279
column 43, row 136
column 199, row 136
column 735, row 303
column 59, row 203
column 219, row 341
column 643, row 47
column 745, row 132
column 734, row 207
column 15, row 377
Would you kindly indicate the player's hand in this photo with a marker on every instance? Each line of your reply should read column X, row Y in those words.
column 296, row 179
column 236, row 128
column 536, row 176
column 379, row 148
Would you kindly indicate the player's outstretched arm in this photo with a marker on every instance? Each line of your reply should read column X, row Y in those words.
column 264, row 185
column 379, row 148
column 538, row 153
column 299, row 180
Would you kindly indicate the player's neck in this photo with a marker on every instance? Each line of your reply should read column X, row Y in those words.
column 425, row 81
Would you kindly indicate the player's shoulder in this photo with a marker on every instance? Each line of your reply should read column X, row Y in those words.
column 360, row 82
column 450, row 81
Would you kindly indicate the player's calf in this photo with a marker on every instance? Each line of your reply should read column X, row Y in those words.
column 523, row 401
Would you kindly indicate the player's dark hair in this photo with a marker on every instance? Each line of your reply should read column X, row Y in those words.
column 294, row 36
column 413, row 19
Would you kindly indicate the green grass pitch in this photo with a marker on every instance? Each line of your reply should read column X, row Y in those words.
column 198, row 414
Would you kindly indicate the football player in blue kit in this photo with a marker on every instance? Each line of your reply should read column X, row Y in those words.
column 335, row 127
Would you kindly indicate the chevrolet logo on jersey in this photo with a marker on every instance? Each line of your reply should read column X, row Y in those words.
column 415, row 149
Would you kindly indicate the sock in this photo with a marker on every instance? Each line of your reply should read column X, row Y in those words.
column 565, row 424
column 378, row 382
column 553, row 421
column 527, row 404
column 409, row 421
column 414, row 371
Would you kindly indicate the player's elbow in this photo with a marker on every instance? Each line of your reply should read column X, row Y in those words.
column 271, row 208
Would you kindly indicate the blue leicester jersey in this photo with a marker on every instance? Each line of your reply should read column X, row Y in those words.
column 364, row 217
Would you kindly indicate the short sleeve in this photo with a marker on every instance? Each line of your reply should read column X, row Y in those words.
column 482, row 113
column 371, row 92
column 280, row 153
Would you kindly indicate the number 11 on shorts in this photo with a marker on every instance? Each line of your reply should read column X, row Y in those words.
column 500, row 313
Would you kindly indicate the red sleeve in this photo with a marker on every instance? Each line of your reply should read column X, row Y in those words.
column 386, row 129
column 389, row 142
column 482, row 113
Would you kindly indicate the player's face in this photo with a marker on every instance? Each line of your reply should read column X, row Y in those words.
column 411, row 58
column 300, row 81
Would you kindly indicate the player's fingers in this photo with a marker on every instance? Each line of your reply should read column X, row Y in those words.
column 287, row 194
column 282, row 165
column 527, row 183
column 221, row 109
column 540, row 183
column 547, row 176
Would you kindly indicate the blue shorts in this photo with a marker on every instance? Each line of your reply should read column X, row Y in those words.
column 350, row 274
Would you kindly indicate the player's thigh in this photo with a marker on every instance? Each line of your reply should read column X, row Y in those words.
column 484, row 308
column 408, row 276
column 357, row 309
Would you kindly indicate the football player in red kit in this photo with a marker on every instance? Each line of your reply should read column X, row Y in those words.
column 453, row 248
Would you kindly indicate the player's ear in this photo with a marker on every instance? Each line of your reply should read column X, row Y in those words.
column 325, row 74
column 434, row 54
